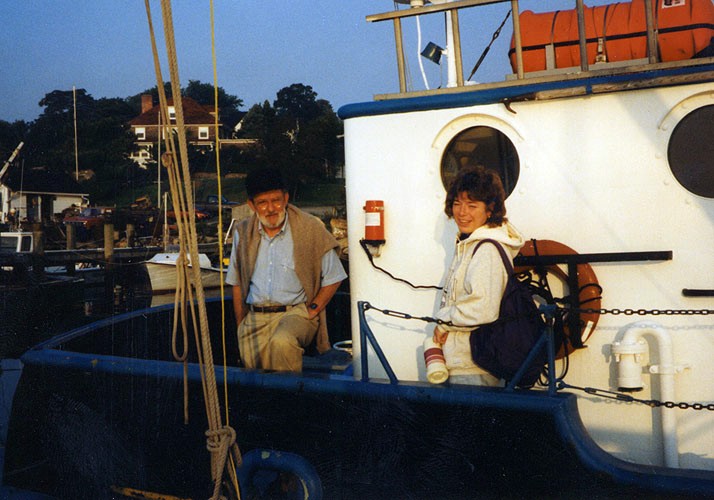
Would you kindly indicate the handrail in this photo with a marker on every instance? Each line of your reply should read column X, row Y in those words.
column 454, row 6
column 365, row 333
column 430, row 9
column 546, row 341
column 573, row 260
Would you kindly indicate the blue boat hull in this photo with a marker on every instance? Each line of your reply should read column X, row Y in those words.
column 100, row 409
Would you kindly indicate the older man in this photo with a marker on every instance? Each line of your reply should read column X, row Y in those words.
column 284, row 270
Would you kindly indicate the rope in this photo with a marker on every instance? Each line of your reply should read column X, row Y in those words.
column 222, row 453
column 220, row 203
column 189, row 278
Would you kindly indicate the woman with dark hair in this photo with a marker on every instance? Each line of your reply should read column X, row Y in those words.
column 476, row 278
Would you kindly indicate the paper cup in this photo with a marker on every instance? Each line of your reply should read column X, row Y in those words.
column 436, row 371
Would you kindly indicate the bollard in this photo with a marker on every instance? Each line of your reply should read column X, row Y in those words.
column 71, row 245
column 130, row 234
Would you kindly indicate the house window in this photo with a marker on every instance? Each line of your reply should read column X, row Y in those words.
column 140, row 133
column 172, row 113
column 203, row 133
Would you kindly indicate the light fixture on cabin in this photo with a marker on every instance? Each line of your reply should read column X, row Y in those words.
column 433, row 52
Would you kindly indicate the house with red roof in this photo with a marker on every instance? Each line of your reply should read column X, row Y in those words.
column 199, row 122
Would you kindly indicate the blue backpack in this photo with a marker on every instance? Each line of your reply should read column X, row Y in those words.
column 501, row 347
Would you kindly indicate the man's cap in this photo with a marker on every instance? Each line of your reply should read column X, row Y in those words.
column 263, row 180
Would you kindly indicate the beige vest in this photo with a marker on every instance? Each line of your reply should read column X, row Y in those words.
column 311, row 241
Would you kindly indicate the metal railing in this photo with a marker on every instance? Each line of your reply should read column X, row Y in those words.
column 546, row 341
column 453, row 7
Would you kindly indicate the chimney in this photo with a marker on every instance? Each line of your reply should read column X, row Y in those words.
column 147, row 102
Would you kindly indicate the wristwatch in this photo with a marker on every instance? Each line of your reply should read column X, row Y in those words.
column 313, row 306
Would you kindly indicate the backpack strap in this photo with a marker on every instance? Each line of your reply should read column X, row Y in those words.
column 506, row 261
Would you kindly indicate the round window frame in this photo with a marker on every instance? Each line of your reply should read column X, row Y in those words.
column 455, row 129
column 700, row 180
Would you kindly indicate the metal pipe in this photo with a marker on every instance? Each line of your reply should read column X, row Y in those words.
column 666, row 369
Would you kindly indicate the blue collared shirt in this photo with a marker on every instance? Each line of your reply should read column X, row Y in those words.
column 274, row 280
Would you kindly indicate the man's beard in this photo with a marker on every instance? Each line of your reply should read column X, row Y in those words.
column 268, row 225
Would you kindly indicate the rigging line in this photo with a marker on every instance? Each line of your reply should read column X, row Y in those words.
column 166, row 160
column 234, row 458
column 189, row 239
column 421, row 63
column 488, row 47
column 220, row 439
column 220, row 206
column 183, row 299
column 206, row 369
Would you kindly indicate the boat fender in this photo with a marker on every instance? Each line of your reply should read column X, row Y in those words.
column 589, row 294
column 309, row 487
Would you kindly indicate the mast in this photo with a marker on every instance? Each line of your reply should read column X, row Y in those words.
column 76, row 157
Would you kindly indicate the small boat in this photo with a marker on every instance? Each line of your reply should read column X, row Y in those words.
column 16, row 242
column 162, row 272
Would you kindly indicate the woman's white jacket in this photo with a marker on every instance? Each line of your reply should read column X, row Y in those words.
column 475, row 282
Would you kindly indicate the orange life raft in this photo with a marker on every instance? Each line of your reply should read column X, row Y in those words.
column 615, row 32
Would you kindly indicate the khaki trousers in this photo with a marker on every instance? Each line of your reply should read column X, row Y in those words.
column 276, row 341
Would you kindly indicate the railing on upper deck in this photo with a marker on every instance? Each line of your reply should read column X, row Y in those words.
column 453, row 7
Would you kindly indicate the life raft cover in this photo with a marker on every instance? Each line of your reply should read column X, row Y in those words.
column 615, row 32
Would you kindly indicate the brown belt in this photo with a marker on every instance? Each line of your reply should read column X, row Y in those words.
column 269, row 309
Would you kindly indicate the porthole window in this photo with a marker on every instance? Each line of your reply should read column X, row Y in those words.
column 485, row 146
column 691, row 152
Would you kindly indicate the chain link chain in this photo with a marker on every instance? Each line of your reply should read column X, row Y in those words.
column 648, row 312
column 652, row 403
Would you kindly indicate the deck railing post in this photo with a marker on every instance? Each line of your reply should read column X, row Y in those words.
column 515, row 13
column 71, row 245
column 366, row 334
column 582, row 36
column 38, row 251
column 456, row 49
column 109, row 244
column 652, row 55
column 401, row 64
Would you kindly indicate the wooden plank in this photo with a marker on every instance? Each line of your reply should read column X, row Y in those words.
column 456, row 49
column 575, row 76
column 428, row 9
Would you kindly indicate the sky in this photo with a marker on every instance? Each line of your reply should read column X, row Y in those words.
column 262, row 46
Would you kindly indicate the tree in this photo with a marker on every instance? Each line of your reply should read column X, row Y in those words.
column 228, row 105
column 258, row 122
column 11, row 134
column 103, row 138
column 299, row 135
column 298, row 102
